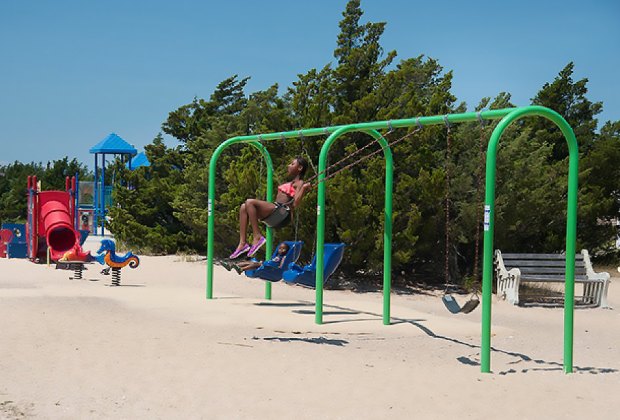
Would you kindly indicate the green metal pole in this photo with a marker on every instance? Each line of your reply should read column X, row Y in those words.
column 269, row 198
column 380, row 125
column 320, row 230
column 210, row 215
column 571, row 231
column 571, row 237
column 387, row 225
column 211, row 203
column 487, row 260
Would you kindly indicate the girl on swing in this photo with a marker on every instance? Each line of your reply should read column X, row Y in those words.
column 274, row 215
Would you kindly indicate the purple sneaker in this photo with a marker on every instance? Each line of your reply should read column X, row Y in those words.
column 238, row 252
column 256, row 247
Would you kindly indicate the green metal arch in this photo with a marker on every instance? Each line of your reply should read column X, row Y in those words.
column 571, row 230
column 320, row 219
column 210, row 219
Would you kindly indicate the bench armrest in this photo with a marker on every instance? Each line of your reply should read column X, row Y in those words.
column 507, row 280
column 590, row 273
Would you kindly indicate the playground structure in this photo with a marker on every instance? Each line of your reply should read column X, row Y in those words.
column 111, row 145
column 93, row 198
column 51, row 226
column 506, row 117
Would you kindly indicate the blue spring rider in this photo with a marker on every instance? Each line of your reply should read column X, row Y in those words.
column 271, row 270
column 332, row 256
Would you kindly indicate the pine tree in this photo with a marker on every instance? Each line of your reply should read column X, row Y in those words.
column 568, row 98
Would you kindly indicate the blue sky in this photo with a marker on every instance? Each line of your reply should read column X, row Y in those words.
column 74, row 71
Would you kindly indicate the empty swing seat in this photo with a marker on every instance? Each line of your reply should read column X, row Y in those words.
column 271, row 270
column 332, row 256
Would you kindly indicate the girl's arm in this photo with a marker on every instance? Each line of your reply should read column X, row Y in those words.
column 301, row 189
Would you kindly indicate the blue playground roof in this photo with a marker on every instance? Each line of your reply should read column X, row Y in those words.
column 139, row 160
column 113, row 144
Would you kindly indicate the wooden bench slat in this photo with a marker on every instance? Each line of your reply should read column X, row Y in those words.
column 539, row 256
column 530, row 263
column 552, row 278
column 550, row 270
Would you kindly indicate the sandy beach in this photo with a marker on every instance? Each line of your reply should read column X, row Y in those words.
column 156, row 348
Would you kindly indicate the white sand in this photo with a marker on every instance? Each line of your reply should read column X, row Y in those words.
column 156, row 348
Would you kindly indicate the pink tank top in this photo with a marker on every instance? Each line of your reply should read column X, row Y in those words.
column 287, row 189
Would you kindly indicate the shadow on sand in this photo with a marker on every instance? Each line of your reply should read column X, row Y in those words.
column 544, row 365
column 311, row 340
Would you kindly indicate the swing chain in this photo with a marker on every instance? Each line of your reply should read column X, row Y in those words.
column 447, row 204
column 296, row 224
column 479, row 196
column 305, row 151
column 357, row 152
column 448, row 299
column 363, row 158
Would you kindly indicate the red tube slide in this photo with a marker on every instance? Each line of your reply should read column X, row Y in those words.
column 56, row 223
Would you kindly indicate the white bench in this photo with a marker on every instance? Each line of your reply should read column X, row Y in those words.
column 511, row 270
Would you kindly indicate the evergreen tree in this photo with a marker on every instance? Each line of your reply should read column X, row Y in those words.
column 189, row 122
column 599, row 193
column 359, row 67
column 568, row 98
column 144, row 217
column 13, row 183
column 57, row 171
column 311, row 98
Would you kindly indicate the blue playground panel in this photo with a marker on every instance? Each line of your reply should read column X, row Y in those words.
column 270, row 270
column 19, row 232
column 17, row 248
column 332, row 256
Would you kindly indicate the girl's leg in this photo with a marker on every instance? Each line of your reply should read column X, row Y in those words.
column 248, row 265
column 256, row 210
column 253, row 266
column 243, row 226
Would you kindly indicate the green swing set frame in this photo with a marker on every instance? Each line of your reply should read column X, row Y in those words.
column 506, row 116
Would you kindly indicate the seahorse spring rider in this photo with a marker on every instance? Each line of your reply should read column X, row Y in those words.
column 75, row 258
column 107, row 256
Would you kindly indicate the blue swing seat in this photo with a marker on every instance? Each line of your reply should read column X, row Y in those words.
column 332, row 256
column 271, row 270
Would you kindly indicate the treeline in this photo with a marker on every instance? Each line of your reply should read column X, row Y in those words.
column 13, row 178
column 165, row 210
